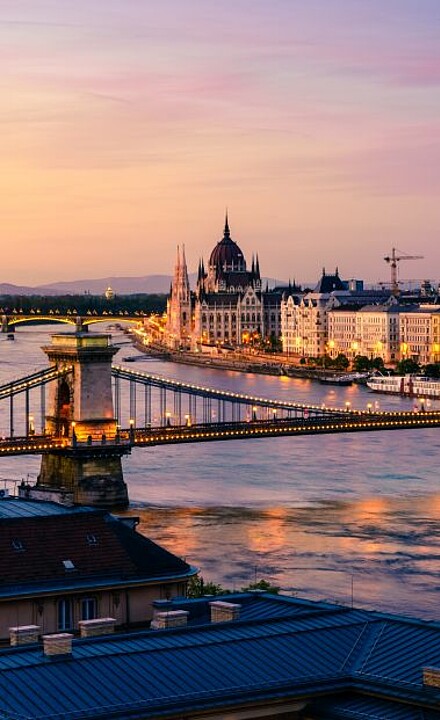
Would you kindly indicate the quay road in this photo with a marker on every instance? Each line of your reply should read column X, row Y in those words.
column 262, row 363
column 343, row 422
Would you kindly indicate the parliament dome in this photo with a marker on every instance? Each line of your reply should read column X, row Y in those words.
column 227, row 255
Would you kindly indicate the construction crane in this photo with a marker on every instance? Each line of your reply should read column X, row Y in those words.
column 392, row 260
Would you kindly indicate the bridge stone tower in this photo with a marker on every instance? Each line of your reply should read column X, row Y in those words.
column 80, row 409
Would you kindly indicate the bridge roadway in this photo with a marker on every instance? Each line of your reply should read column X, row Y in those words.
column 351, row 421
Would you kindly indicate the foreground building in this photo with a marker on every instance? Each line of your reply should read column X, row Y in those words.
column 242, row 656
column 62, row 565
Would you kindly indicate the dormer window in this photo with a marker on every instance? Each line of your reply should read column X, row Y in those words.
column 17, row 545
column 69, row 565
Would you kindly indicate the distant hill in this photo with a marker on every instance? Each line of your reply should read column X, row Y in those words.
column 151, row 284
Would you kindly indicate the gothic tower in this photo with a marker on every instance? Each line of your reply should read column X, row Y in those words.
column 179, row 328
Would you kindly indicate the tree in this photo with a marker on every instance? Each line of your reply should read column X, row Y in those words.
column 361, row 363
column 432, row 370
column 407, row 366
column 263, row 585
column 198, row 588
column 341, row 362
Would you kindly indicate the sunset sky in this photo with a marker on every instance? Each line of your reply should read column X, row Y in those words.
column 127, row 127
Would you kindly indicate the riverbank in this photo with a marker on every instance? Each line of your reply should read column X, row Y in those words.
column 240, row 362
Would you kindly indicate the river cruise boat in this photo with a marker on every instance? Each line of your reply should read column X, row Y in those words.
column 409, row 385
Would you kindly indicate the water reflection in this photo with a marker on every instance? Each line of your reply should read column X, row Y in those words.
column 388, row 548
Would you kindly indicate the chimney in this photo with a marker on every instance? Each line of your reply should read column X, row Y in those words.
column 24, row 634
column 57, row 644
column 169, row 619
column 431, row 677
column 161, row 605
column 222, row 611
column 98, row 626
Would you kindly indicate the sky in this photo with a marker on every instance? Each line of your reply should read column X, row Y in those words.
column 128, row 126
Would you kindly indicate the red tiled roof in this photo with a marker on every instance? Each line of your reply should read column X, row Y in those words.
column 96, row 543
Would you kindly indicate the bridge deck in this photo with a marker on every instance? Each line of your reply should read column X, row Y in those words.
column 144, row 437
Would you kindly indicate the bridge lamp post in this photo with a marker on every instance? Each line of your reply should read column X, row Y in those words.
column 74, row 438
column 188, row 420
column 131, row 424
column 347, row 406
column 31, row 425
column 369, row 406
column 254, row 413
column 168, row 419
column 274, row 414
column 422, row 404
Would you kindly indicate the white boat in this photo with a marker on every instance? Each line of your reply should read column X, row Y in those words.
column 409, row 385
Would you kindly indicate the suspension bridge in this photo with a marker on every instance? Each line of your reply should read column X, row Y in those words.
column 84, row 427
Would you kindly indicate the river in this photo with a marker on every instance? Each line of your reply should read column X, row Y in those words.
column 352, row 518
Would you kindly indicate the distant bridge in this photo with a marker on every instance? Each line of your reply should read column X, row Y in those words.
column 9, row 321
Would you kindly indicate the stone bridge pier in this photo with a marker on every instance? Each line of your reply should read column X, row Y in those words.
column 80, row 409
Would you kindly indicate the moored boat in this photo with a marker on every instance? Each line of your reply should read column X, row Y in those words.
column 409, row 385
column 340, row 380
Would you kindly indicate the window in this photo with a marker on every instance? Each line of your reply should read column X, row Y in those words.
column 65, row 614
column 88, row 608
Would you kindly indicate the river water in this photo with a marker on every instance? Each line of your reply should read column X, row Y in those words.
column 352, row 518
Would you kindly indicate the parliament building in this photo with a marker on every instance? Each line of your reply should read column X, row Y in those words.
column 228, row 306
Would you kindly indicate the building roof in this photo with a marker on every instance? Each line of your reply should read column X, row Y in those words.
column 12, row 507
column 226, row 253
column 356, row 664
column 55, row 548
column 387, row 308
column 329, row 283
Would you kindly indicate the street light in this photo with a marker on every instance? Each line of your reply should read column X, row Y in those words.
column 74, row 440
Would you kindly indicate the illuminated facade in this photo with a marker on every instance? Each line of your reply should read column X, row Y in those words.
column 420, row 334
column 392, row 332
column 304, row 319
column 228, row 306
